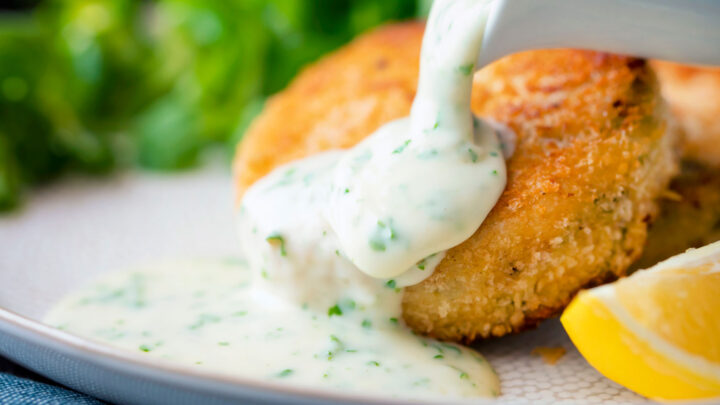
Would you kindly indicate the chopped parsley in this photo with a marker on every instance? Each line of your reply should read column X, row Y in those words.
column 466, row 69
column 366, row 323
column 391, row 284
column 223, row 343
column 422, row 264
column 451, row 347
column 335, row 310
column 285, row 373
column 277, row 239
column 402, row 147
column 373, row 363
column 377, row 245
column 394, row 320
column 473, row 155
column 339, row 347
column 493, row 154
column 439, row 356
column 381, row 236
column 428, row 154
column 463, row 374
column 494, row 172
column 145, row 348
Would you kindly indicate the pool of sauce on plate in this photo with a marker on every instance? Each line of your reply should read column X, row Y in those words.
column 204, row 314
column 327, row 243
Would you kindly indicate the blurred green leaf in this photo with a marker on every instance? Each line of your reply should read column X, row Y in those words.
column 26, row 132
column 10, row 181
column 98, row 57
column 168, row 135
column 166, row 77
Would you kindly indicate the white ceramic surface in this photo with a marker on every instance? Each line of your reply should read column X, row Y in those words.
column 80, row 228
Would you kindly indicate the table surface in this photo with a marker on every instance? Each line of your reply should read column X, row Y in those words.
column 7, row 366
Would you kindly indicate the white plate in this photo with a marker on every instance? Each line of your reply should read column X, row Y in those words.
column 80, row 228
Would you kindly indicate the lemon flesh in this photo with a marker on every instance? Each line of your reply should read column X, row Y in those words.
column 658, row 331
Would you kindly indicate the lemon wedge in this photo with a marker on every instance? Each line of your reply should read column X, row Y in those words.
column 656, row 332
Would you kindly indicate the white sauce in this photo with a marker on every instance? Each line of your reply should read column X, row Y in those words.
column 329, row 241
column 203, row 314
column 416, row 187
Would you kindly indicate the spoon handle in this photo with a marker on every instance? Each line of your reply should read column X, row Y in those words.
column 686, row 31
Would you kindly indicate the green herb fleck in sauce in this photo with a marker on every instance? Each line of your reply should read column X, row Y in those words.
column 402, row 147
column 277, row 239
column 285, row 373
column 473, row 155
column 382, row 235
column 466, row 69
column 428, row 154
column 335, row 311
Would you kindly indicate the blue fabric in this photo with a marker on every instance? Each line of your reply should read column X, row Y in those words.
column 16, row 390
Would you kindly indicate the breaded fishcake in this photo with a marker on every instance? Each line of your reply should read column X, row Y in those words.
column 591, row 156
column 689, row 215
column 693, row 94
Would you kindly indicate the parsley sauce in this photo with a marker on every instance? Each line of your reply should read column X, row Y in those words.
column 329, row 242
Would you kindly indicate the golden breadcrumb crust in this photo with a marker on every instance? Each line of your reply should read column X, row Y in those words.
column 335, row 103
column 592, row 155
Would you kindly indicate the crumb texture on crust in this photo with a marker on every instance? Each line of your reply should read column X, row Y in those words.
column 335, row 103
column 591, row 157
column 693, row 94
